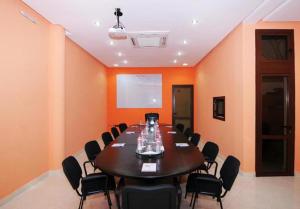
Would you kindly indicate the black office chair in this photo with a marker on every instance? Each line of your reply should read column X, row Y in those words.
column 123, row 127
column 91, row 184
column 195, row 139
column 92, row 149
column 151, row 115
column 162, row 196
column 115, row 132
column 188, row 133
column 210, row 185
column 210, row 152
column 107, row 138
column 180, row 127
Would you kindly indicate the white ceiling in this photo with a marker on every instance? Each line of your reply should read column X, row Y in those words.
column 216, row 19
column 288, row 11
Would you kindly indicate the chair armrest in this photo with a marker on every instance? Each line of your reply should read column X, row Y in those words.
column 84, row 167
column 209, row 184
column 208, row 178
column 95, row 177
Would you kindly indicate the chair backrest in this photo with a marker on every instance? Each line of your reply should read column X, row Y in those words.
column 210, row 151
column 229, row 171
column 92, row 149
column 180, row 127
column 72, row 171
column 149, row 197
column 107, row 138
column 115, row 132
column 123, row 127
column 188, row 132
column 151, row 115
column 195, row 139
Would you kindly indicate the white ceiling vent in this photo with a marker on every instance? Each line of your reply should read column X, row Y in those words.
column 148, row 39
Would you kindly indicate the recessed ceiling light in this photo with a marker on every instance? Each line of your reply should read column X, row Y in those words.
column 179, row 53
column 116, row 65
column 195, row 22
column 97, row 23
column 111, row 43
column 125, row 61
column 175, row 61
column 184, row 41
column 120, row 54
column 185, row 64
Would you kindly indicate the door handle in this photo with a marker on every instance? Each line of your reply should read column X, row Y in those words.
column 288, row 129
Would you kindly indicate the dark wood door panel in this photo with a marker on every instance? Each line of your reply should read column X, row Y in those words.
column 275, row 102
column 183, row 111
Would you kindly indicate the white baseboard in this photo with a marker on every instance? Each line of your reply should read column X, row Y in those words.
column 80, row 152
column 247, row 174
column 35, row 181
column 27, row 186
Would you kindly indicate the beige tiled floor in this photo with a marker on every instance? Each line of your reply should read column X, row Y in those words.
column 54, row 192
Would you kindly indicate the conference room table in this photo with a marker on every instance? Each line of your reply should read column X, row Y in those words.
column 175, row 161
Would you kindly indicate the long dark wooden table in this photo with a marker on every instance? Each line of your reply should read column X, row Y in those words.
column 123, row 161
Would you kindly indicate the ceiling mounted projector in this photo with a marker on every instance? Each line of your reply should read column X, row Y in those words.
column 118, row 31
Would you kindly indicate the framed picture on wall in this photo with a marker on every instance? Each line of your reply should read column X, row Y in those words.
column 219, row 108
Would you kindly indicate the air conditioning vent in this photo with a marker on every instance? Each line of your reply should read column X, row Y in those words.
column 149, row 39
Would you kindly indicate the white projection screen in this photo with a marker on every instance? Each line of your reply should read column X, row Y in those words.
column 139, row 91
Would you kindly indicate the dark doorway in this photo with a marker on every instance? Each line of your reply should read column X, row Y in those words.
column 275, row 102
column 183, row 105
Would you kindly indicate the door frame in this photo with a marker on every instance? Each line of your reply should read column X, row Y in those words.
column 192, row 103
column 280, row 68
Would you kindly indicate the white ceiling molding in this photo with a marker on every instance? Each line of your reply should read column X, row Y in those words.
column 263, row 10
column 289, row 11
column 215, row 20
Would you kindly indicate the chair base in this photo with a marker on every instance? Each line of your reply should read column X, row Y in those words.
column 195, row 197
column 83, row 198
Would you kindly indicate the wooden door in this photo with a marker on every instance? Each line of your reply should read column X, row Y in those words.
column 275, row 102
column 183, row 105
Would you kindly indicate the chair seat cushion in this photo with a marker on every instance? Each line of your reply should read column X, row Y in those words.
column 96, row 182
column 204, row 183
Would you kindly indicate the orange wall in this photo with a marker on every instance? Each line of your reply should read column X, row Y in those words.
column 229, row 70
column 170, row 76
column 53, row 96
column 219, row 74
column 24, row 93
column 85, row 98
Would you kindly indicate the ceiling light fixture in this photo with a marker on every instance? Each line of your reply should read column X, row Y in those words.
column 185, row 64
column 97, row 24
column 195, row 22
column 179, row 53
column 175, row 61
column 111, row 43
column 184, row 42
column 125, row 61
column 120, row 54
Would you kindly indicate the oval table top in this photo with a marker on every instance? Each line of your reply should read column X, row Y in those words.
column 124, row 162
